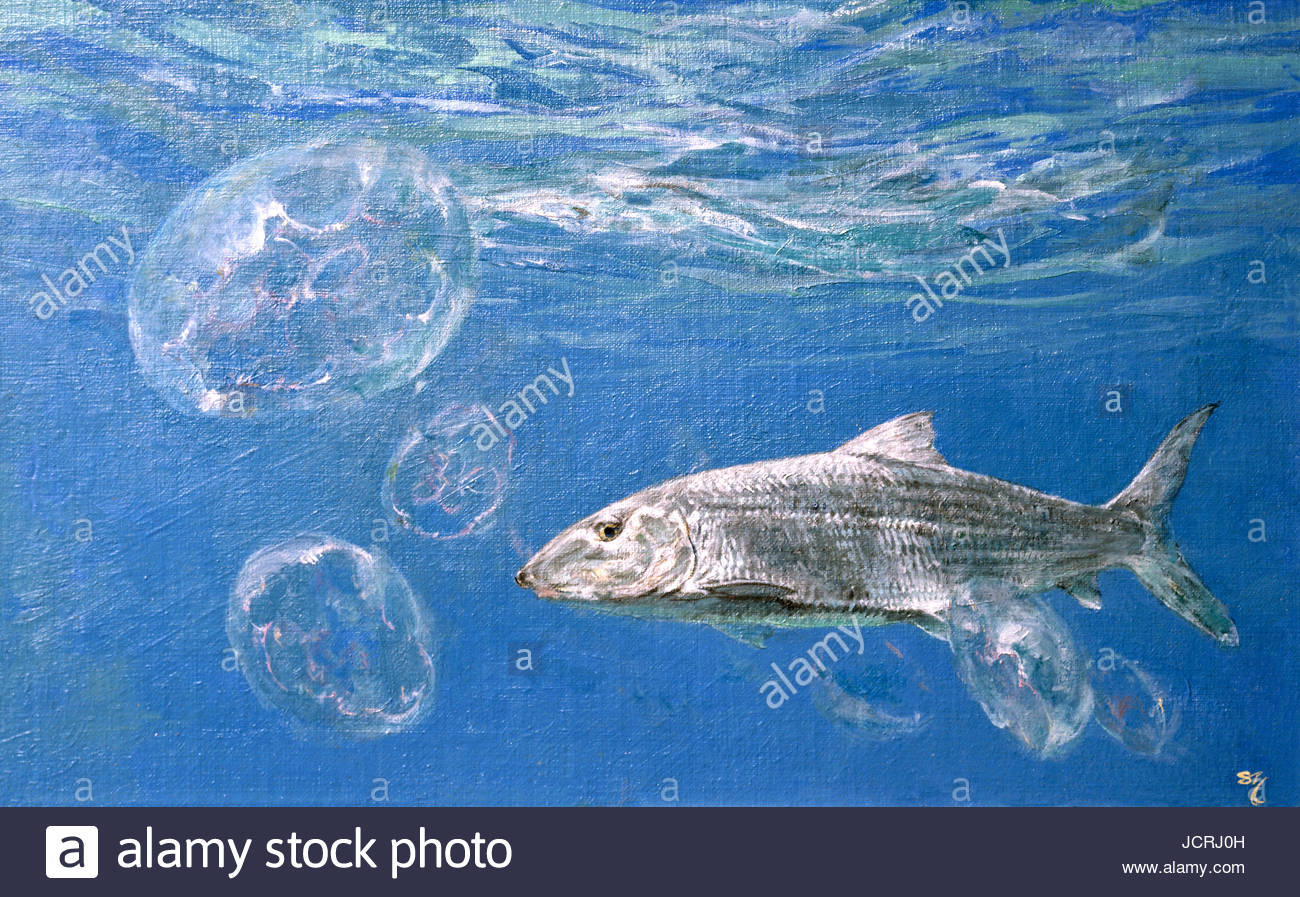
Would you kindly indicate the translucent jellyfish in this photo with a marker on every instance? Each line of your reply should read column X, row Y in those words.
column 879, row 702
column 1135, row 707
column 1016, row 657
column 307, row 276
column 448, row 477
column 333, row 635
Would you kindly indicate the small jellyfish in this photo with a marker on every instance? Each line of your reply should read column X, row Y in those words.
column 1135, row 707
column 1016, row 657
column 307, row 276
column 876, row 703
column 448, row 477
column 332, row 635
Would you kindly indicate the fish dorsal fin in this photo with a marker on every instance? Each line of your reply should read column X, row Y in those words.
column 907, row 438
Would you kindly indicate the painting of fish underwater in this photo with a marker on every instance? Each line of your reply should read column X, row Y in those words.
column 615, row 402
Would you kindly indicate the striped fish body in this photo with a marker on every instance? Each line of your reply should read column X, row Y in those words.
column 875, row 535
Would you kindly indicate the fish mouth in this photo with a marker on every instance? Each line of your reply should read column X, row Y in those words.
column 525, row 579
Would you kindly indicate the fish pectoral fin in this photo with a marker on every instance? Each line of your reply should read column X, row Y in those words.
column 747, row 589
column 907, row 438
column 754, row 636
column 1084, row 589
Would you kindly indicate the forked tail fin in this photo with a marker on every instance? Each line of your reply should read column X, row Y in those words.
column 1160, row 566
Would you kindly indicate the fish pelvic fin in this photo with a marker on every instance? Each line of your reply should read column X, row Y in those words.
column 932, row 626
column 1160, row 566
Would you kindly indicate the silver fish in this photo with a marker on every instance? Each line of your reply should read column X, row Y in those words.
column 881, row 529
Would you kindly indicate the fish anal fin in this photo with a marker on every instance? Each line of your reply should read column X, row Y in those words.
column 1084, row 589
column 907, row 438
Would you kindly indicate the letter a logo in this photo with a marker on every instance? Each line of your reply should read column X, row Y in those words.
column 71, row 851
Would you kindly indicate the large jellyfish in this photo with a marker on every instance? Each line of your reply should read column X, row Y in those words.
column 449, row 476
column 310, row 275
column 1016, row 657
column 332, row 634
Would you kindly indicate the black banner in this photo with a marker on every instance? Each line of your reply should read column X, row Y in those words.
column 650, row 851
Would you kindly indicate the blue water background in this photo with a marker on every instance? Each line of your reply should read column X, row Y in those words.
column 114, row 647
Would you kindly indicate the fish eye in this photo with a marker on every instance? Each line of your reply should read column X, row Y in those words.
column 609, row 530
